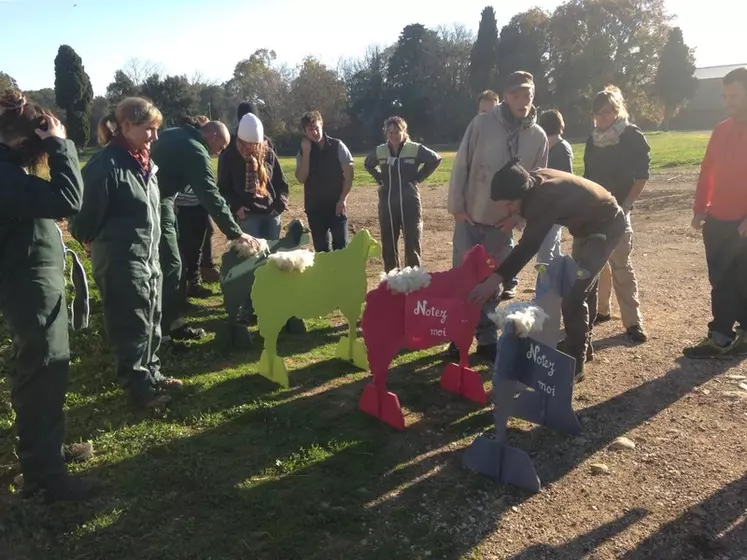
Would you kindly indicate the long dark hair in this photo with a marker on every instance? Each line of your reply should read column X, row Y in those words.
column 19, row 119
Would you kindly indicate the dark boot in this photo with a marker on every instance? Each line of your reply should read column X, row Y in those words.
column 63, row 488
column 198, row 291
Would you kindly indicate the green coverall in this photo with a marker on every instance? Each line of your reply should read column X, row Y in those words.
column 183, row 160
column 33, row 303
column 121, row 218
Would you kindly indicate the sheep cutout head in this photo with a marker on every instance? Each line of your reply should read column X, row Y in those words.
column 526, row 317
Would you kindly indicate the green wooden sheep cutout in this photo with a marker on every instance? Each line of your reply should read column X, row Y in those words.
column 335, row 280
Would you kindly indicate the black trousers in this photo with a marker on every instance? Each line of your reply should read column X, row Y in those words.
column 726, row 256
column 207, row 247
column 193, row 223
column 325, row 223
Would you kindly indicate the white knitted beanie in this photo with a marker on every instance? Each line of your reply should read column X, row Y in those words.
column 251, row 129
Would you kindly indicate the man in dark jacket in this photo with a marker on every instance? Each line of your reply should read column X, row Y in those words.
column 546, row 197
column 324, row 167
column 183, row 155
column 32, row 290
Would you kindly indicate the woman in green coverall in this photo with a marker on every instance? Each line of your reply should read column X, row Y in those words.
column 32, row 289
column 120, row 222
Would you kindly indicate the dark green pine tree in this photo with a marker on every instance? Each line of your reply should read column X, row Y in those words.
column 675, row 83
column 74, row 94
column 482, row 59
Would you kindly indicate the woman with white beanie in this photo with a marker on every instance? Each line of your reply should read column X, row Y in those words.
column 251, row 180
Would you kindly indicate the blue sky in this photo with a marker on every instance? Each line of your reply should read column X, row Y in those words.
column 177, row 33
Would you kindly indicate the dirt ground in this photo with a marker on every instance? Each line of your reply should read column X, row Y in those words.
column 682, row 491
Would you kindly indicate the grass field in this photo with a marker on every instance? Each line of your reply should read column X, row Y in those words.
column 239, row 468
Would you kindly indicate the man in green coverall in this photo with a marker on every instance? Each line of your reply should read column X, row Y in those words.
column 32, row 290
column 182, row 155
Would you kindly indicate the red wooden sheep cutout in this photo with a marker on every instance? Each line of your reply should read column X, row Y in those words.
column 423, row 318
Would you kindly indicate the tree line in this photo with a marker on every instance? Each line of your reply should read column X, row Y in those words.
column 431, row 77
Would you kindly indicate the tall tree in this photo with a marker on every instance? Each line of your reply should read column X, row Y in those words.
column 598, row 42
column 524, row 45
column 173, row 95
column 122, row 86
column 370, row 102
column 7, row 81
column 412, row 67
column 453, row 100
column 675, row 83
column 483, row 73
column 74, row 94
column 259, row 81
column 319, row 88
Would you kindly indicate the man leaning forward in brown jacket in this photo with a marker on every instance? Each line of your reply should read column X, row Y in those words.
column 545, row 197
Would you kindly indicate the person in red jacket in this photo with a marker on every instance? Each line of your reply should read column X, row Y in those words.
column 720, row 211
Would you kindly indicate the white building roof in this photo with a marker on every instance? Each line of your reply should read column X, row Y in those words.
column 715, row 72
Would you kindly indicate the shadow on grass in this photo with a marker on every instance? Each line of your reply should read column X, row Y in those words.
column 277, row 476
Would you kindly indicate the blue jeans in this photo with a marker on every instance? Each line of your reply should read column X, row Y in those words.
column 264, row 226
column 551, row 247
column 325, row 224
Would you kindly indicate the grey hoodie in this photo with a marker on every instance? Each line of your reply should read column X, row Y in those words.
column 482, row 152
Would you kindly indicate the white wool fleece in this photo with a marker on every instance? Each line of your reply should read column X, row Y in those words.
column 245, row 251
column 298, row 260
column 407, row 280
column 526, row 316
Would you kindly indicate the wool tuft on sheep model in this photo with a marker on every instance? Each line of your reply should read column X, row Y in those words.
column 417, row 310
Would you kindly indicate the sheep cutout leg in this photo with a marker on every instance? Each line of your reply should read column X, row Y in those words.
column 308, row 285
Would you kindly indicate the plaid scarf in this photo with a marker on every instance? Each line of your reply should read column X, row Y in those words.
column 514, row 125
column 141, row 157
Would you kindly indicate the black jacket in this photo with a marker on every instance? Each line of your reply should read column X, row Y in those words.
column 617, row 167
column 232, row 181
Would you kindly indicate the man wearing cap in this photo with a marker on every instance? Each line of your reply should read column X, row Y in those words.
column 543, row 198
column 492, row 139
column 183, row 155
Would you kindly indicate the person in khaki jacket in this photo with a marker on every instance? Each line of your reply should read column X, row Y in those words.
column 491, row 140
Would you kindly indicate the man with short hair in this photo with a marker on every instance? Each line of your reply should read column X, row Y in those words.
column 324, row 166
column 543, row 198
column 492, row 139
column 720, row 210
column 183, row 155
column 487, row 100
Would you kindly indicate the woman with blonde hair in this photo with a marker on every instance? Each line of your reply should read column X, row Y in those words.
column 617, row 157
column 399, row 166
column 120, row 219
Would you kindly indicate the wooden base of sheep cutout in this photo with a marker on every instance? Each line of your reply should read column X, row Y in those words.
column 238, row 267
column 307, row 285
column 417, row 310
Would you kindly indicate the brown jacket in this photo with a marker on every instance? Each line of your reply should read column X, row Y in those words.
column 582, row 206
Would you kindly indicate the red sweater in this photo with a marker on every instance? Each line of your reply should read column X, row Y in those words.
column 722, row 185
